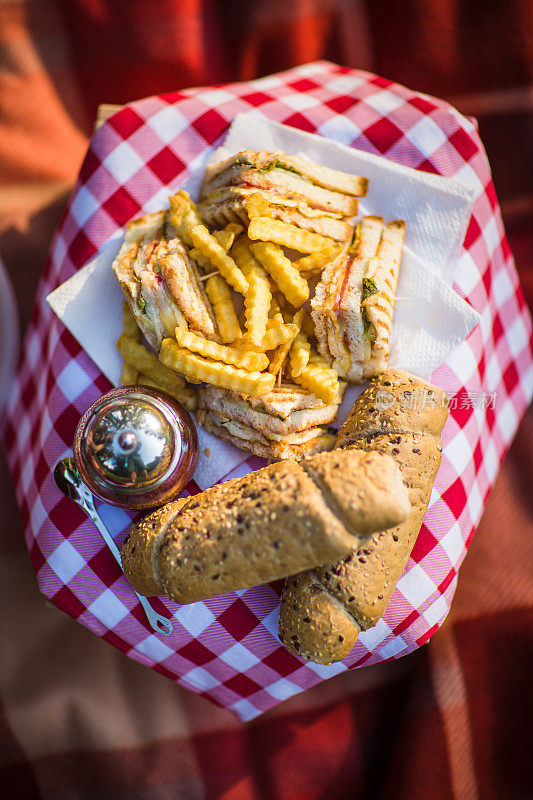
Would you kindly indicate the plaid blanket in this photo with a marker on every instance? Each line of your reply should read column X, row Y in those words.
column 77, row 719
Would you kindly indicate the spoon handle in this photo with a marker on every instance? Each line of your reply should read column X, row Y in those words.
column 159, row 623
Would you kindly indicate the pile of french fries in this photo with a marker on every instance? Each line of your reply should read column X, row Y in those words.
column 271, row 340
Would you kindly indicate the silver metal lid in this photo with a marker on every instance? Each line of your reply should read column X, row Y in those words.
column 132, row 444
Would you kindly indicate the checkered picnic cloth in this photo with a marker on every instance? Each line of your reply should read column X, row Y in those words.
column 226, row 648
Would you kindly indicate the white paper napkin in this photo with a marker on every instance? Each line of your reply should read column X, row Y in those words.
column 430, row 318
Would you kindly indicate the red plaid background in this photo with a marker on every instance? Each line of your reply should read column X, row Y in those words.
column 226, row 648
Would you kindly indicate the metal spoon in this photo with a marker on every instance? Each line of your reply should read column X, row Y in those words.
column 69, row 482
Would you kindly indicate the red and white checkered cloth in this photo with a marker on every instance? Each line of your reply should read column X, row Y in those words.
column 226, row 648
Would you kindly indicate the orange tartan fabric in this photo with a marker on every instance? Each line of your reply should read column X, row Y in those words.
column 78, row 719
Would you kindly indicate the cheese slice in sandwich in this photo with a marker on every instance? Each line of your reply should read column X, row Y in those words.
column 353, row 305
column 288, row 423
column 160, row 282
column 287, row 176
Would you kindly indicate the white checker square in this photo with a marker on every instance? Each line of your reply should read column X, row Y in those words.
column 271, row 622
column 374, row 636
column 245, row 709
column 393, row 648
column 154, row 648
column 491, row 235
column 436, row 612
column 384, row 102
column 463, row 362
column 38, row 515
column 327, row 670
column 507, row 418
column 282, row 689
column 26, row 476
column 459, row 452
column 32, row 352
column 73, row 380
column 201, row 679
column 493, row 373
column 452, row 543
column 66, row 561
column 108, row 609
column 467, row 176
column 23, row 433
column 491, row 460
column 416, row 586
column 59, row 250
column 215, row 97
column 83, row 206
column 503, row 287
column 426, row 135
column 466, row 274
column 516, row 337
column 300, row 101
column 239, row 657
column 195, row 617
column 168, row 123
column 344, row 84
column 123, row 162
column 340, row 129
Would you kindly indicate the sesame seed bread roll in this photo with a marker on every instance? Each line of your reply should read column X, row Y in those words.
column 391, row 417
column 275, row 522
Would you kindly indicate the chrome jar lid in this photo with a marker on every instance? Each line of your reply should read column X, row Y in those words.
column 136, row 447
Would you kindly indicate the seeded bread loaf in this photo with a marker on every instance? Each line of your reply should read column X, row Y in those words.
column 322, row 611
column 275, row 522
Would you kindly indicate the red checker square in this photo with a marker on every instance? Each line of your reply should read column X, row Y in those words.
column 300, row 122
column 256, row 98
column 506, row 250
column 303, row 85
column 36, row 556
column 427, row 166
column 121, row 206
column 238, row 620
column 424, row 544
column 9, row 435
column 81, row 249
column 497, row 328
column 242, row 685
column 477, row 456
column 383, row 134
column 472, row 233
column 463, row 143
column 67, row 516
column 447, row 580
column 405, row 623
column 166, row 165
column 464, row 408
column 71, row 345
column 41, row 470
column 126, row 122
column 210, row 125
column 511, row 378
column 341, row 104
column 65, row 424
column 90, row 164
column 455, row 497
column 115, row 640
column 68, row 602
column 423, row 105
column 382, row 82
column 195, row 652
column 28, row 392
column 282, row 662
column 490, row 192
column 102, row 383
column 105, row 567
column 427, row 635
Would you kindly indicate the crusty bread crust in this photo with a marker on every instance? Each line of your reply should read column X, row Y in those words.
column 272, row 523
column 403, row 416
